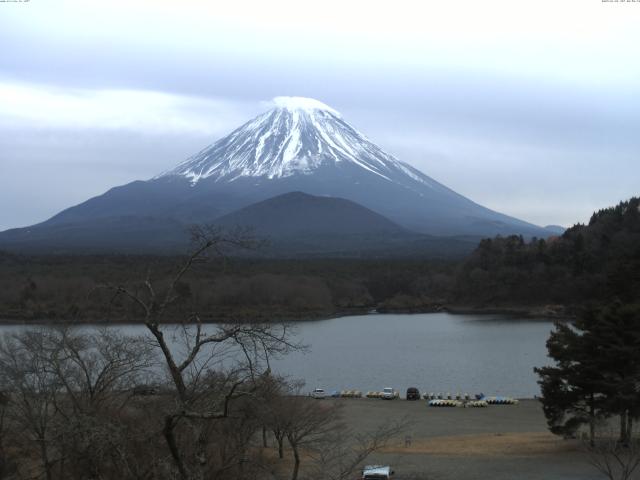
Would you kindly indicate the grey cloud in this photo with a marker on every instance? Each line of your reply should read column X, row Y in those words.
column 545, row 151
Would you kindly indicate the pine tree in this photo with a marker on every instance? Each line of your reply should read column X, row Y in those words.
column 571, row 395
column 616, row 329
column 597, row 371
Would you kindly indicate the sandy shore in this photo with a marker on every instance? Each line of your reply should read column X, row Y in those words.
column 503, row 442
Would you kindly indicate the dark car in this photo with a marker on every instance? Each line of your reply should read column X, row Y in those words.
column 145, row 390
column 413, row 393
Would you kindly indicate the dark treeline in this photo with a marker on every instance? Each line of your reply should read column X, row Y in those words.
column 63, row 288
column 588, row 263
column 594, row 263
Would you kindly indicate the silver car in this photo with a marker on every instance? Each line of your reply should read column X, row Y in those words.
column 318, row 393
column 388, row 393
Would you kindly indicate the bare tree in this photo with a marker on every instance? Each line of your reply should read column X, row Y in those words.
column 272, row 410
column 94, row 368
column 315, row 430
column 194, row 351
column 31, row 392
column 64, row 389
column 341, row 454
column 615, row 460
column 4, row 461
column 307, row 423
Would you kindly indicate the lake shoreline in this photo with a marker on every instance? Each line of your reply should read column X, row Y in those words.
column 556, row 312
column 435, row 352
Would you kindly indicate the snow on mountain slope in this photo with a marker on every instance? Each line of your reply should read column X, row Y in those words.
column 296, row 137
column 299, row 145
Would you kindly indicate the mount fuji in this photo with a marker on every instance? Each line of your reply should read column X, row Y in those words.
column 299, row 145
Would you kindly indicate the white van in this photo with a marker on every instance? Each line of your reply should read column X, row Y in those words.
column 376, row 472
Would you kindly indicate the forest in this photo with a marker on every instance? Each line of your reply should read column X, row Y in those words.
column 589, row 263
column 595, row 262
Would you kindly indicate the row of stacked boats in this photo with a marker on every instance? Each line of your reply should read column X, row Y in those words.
column 434, row 399
column 468, row 403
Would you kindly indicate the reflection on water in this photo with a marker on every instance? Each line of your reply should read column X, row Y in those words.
column 436, row 352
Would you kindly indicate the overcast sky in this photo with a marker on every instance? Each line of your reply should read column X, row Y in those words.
column 531, row 108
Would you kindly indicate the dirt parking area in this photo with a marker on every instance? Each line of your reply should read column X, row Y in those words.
column 500, row 442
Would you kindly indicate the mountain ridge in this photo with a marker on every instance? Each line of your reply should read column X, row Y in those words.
column 300, row 145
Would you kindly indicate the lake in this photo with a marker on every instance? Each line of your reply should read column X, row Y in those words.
column 436, row 352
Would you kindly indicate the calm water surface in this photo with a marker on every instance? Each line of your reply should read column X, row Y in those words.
column 436, row 352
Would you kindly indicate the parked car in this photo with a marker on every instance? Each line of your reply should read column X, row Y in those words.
column 388, row 393
column 377, row 472
column 413, row 393
column 145, row 390
column 318, row 393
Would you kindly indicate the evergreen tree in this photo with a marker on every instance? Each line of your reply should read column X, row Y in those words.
column 597, row 371
column 616, row 329
column 571, row 393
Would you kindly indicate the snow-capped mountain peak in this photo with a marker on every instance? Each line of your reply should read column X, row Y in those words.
column 296, row 154
column 302, row 103
column 298, row 136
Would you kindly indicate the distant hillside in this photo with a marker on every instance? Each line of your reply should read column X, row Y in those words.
column 294, row 224
column 297, row 224
column 296, row 214
column 594, row 262
column 120, row 234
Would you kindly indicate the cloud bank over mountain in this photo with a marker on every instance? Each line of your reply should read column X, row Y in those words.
column 470, row 92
